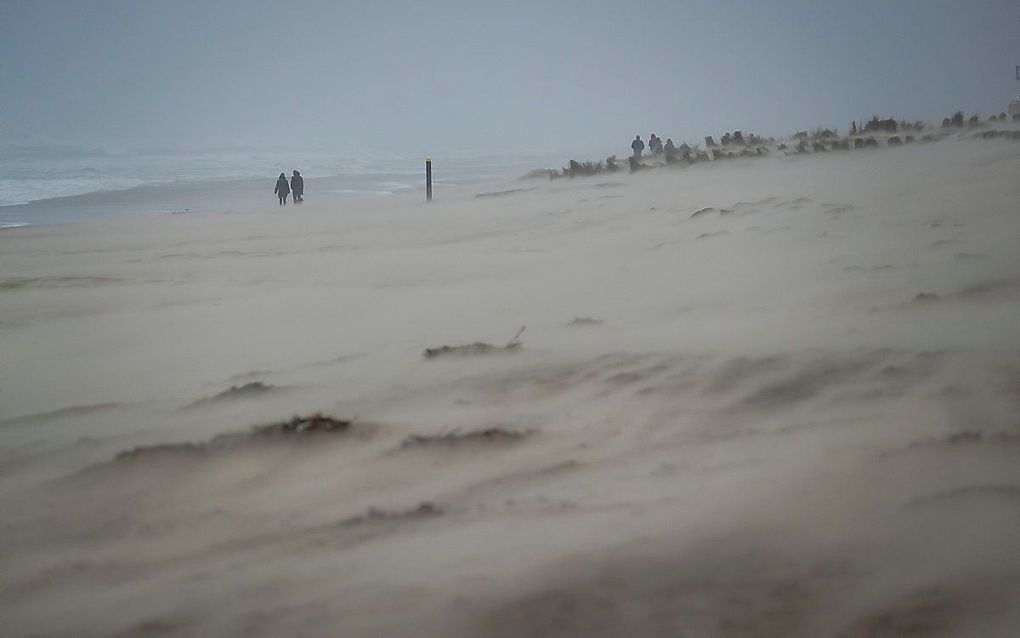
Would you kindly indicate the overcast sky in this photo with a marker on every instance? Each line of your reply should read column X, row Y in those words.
column 422, row 75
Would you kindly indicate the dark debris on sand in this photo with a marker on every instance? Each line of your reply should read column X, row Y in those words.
column 456, row 437
column 297, row 426
column 424, row 510
column 312, row 424
column 965, row 437
column 926, row 297
column 245, row 391
column 476, row 348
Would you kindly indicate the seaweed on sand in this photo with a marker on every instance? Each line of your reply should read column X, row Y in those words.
column 455, row 438
column 296, row 426
column 312, row 424
column 476, row 348
column 425, row 509
column 245, row 391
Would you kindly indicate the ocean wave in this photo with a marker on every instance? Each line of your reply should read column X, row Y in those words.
column 15, row 192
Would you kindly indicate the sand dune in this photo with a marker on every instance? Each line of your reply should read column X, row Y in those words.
column 757, row 397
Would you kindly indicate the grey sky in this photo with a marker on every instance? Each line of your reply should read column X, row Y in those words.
column 420, row 76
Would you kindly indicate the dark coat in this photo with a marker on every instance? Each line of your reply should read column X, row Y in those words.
column 282, row 187
column 297, row 184
column 637, row 145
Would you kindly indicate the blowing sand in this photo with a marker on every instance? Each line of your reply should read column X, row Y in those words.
column 796, row 412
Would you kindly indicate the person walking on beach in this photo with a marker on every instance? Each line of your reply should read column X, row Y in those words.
column 282, row 189
column 637, row 146
column 297, row 186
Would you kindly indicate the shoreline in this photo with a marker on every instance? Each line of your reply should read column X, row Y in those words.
column 372, row 177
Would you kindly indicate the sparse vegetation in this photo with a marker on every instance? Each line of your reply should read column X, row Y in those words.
column 248, row 390
column 457, row 438
column 585, row 169
column 296, row 426
column 474, row 349
column 585, row 321
column 876, row 125
column 312, row 424
column 425, row 509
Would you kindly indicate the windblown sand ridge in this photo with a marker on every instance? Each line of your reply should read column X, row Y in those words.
column 761, row 397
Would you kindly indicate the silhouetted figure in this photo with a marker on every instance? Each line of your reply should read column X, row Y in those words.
column 282, row 189
column 297, row 186
column 637, row 146
column 670, row 151
column 655, row 145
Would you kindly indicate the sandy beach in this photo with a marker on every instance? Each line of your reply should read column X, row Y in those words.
column 773, row 396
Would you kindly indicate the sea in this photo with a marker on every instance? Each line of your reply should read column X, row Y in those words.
column 46, row 185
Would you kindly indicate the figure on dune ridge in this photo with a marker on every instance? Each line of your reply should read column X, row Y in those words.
column 670, row 151
column 282, row 189
column 637, row 146
column 297, row 187
column 655, row 145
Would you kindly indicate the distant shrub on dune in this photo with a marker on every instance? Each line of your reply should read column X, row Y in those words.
column 912, row 126
column 973, row 121
column 635, row 164
column 895, row 141
column 956, row 121
column 823, row 134
column 1009, row 135
column 876, row 125
column 585, row 169
column 576, row 168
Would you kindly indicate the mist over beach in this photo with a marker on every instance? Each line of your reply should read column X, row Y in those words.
column 763, row 380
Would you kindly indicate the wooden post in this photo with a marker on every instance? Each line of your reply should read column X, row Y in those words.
column 428, row 179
